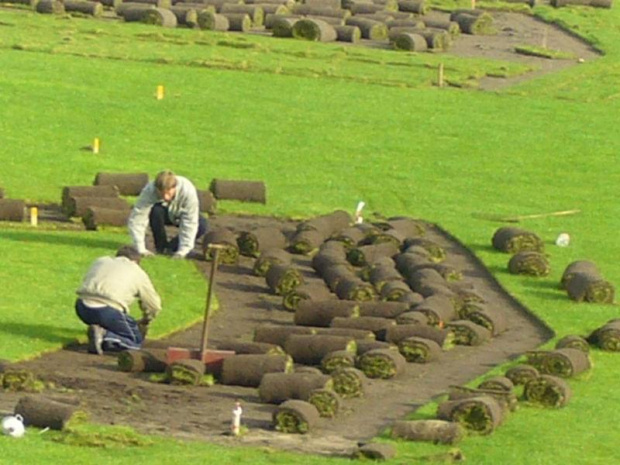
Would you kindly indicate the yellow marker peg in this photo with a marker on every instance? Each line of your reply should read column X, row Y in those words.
column 96, row 145
column 160, row 92
column 34, row 216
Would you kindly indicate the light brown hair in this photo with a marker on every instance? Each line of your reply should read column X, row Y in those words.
column 165, row 181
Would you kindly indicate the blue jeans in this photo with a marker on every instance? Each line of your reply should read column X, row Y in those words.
column 122, row 330
column 159, row 219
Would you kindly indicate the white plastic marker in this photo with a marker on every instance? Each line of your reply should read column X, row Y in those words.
column 358, row 212
column 160, row 92
column 236, row 419
column 563, row 240
column 34, row 216
column 13, row 426
column 96, row 145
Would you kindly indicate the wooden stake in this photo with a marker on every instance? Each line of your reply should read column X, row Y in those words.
column 440, row 75
column 96, row 145
column 545, row 37
column 160, row 92
column 473, row 4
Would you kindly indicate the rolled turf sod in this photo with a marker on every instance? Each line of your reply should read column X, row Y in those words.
column 439, row 309
column 390, row 236
column 394, row 291
column 281, row 25
column 547, row 391
column 50, row 7
column 252, row 348
column 382, row 309
column 158, row 17
column 353, row 288
column 529, row 263
column 307, row 369
column 77, row 206
column 412, row 318
column 351, row 34
column 421, row 278
column 329, row 224
column 256, row 12
column 357, row 334
column 564, row 363
column 418, row 7
column 435, row 431
column 578, row 266
column 475, row 25
column 419, row 350
column 268, row 258
column 381, row 363
column 397, row 333
column 322, row 312
column 336, row 360
column 125, row 183
column 206, row 201
column 353, row 235
column 521, row 374
column 295, row 416
column 87, row 191
column 326, row 401
column 378, row 451
column 336, row 273
column 310, row 349
column 244, row 191
column 365, row 346
column 315, row 30
column 502, row 383
column 223, row 237
column 436, row 252
column 276, row 388
column 278, row 334
column 282, row 279
column 607, row 337
column 512, row 240
column 589, row 287
column 142, row 361
column 315, row 291
column 252, row 243
column 328, row 258
column 309, row 10
column 370, row 29
column 375, row 324
column 186, row 372
column 212, row 21
column 248, row 369
column 43, row 412
column 507, row 400
column 84, row 7
column 186, row 15
column 480, row 415
column 380, row 275
column 494, row 321
column 240, row 22
column 452, row 27
column 122, row 9
column 12, row 210
column 98, row 216
column 573, row 341
column 468, row 333
column 349, row 382
column 367, row 254
column 306, row 241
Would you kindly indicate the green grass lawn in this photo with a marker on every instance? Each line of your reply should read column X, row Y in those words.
column 324, row 126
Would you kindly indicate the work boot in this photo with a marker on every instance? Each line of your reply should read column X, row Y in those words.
column 95, row 339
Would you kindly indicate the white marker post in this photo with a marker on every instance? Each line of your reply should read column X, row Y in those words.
column 34, row 216
column 235, row 426
column 160, row 92
column 96, row 144
column 358, row 212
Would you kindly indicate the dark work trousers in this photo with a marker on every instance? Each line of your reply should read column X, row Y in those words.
column 159, row 219
column 122, row 331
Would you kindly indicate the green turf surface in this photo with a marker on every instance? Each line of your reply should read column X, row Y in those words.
column 329, row 127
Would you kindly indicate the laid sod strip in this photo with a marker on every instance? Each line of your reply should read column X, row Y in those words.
column 382, row 309
column 248, row 369
column 494, row 321
column 547, row 391
column 188, row 372
column 353, row 288
column 478, row 414
column 310, row 349
column 529, row 264
column 212, row 21
column 12, row 210
column 322, row 312
column 44, row 413
column 268, row 258
column 252, row 243
column 436, row 252
column 304, row 242
column 502, row 383
column 507, row 400
column 435, row 431
column 396, row 334
column 438, row 309
column 125, row 183
column 87, row 191
column 142, row 361
column 412, row 318
column 16, row 380
column 326, row 401
column 336, row 360
column 244, row 191
column 278, row 334
column 521, row 374
column 542, row 52
column 382, row 363
column 468, row 333
column 565, row 363
column 77, row 206
column 376, row 451
column 419, row 350
column 573, row 341
column 224, row 237
column 99, row 216
column 589, row 287
column 349, row 382
column 276, row 388
column 365, row 346
column 252, row 348
column 607, row 337
column 394, row 291
column 511, row 240
column 316, row 292
column 375, row 324
column 295, row 416
column 578, row 266
column 367, row 254
column 282, row 279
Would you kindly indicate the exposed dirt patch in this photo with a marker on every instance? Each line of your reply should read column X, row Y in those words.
column 114, row 397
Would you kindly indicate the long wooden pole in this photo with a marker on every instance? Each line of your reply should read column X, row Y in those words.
column 205, row 323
